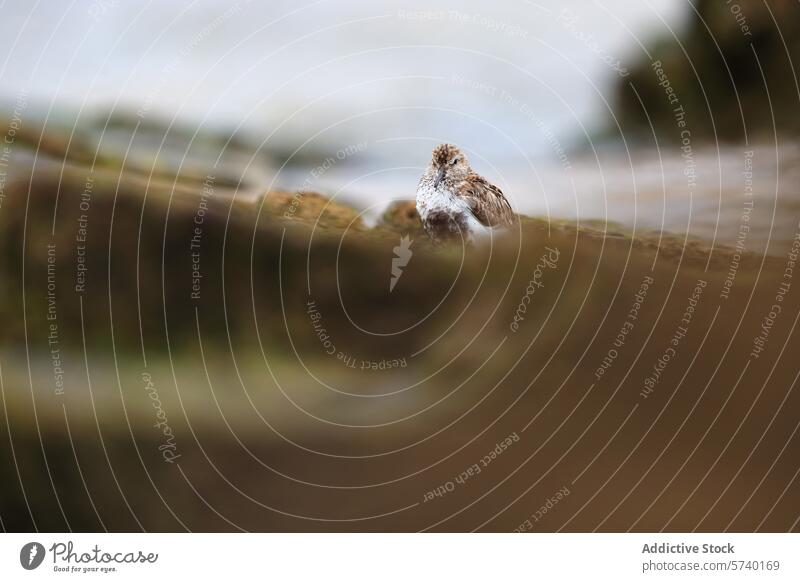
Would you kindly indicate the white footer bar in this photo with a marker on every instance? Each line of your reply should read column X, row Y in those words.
column 402, row 557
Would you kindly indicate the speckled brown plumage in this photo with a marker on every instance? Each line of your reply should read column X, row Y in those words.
column 486, row 200
column 454, row 201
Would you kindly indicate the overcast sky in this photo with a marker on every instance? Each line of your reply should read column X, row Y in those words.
column 501, row 74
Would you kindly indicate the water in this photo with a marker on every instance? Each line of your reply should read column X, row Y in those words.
column 641, row 190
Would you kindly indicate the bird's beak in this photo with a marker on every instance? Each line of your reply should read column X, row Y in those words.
column 439, row 177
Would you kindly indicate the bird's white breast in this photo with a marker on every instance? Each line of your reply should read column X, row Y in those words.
column 430, row 199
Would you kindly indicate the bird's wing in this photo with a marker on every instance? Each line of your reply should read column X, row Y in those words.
column 487, row 202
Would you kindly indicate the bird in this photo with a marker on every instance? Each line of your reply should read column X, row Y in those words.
column 453, row 201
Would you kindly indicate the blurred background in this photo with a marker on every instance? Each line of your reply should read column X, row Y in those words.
column 200, row 209
column 539, row 94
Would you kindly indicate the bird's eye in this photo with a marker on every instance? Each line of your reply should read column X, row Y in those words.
column 454, row 162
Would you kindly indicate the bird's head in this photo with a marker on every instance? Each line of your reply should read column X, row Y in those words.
column 448, row 164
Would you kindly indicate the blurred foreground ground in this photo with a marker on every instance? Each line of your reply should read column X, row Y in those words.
column 273, row 382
